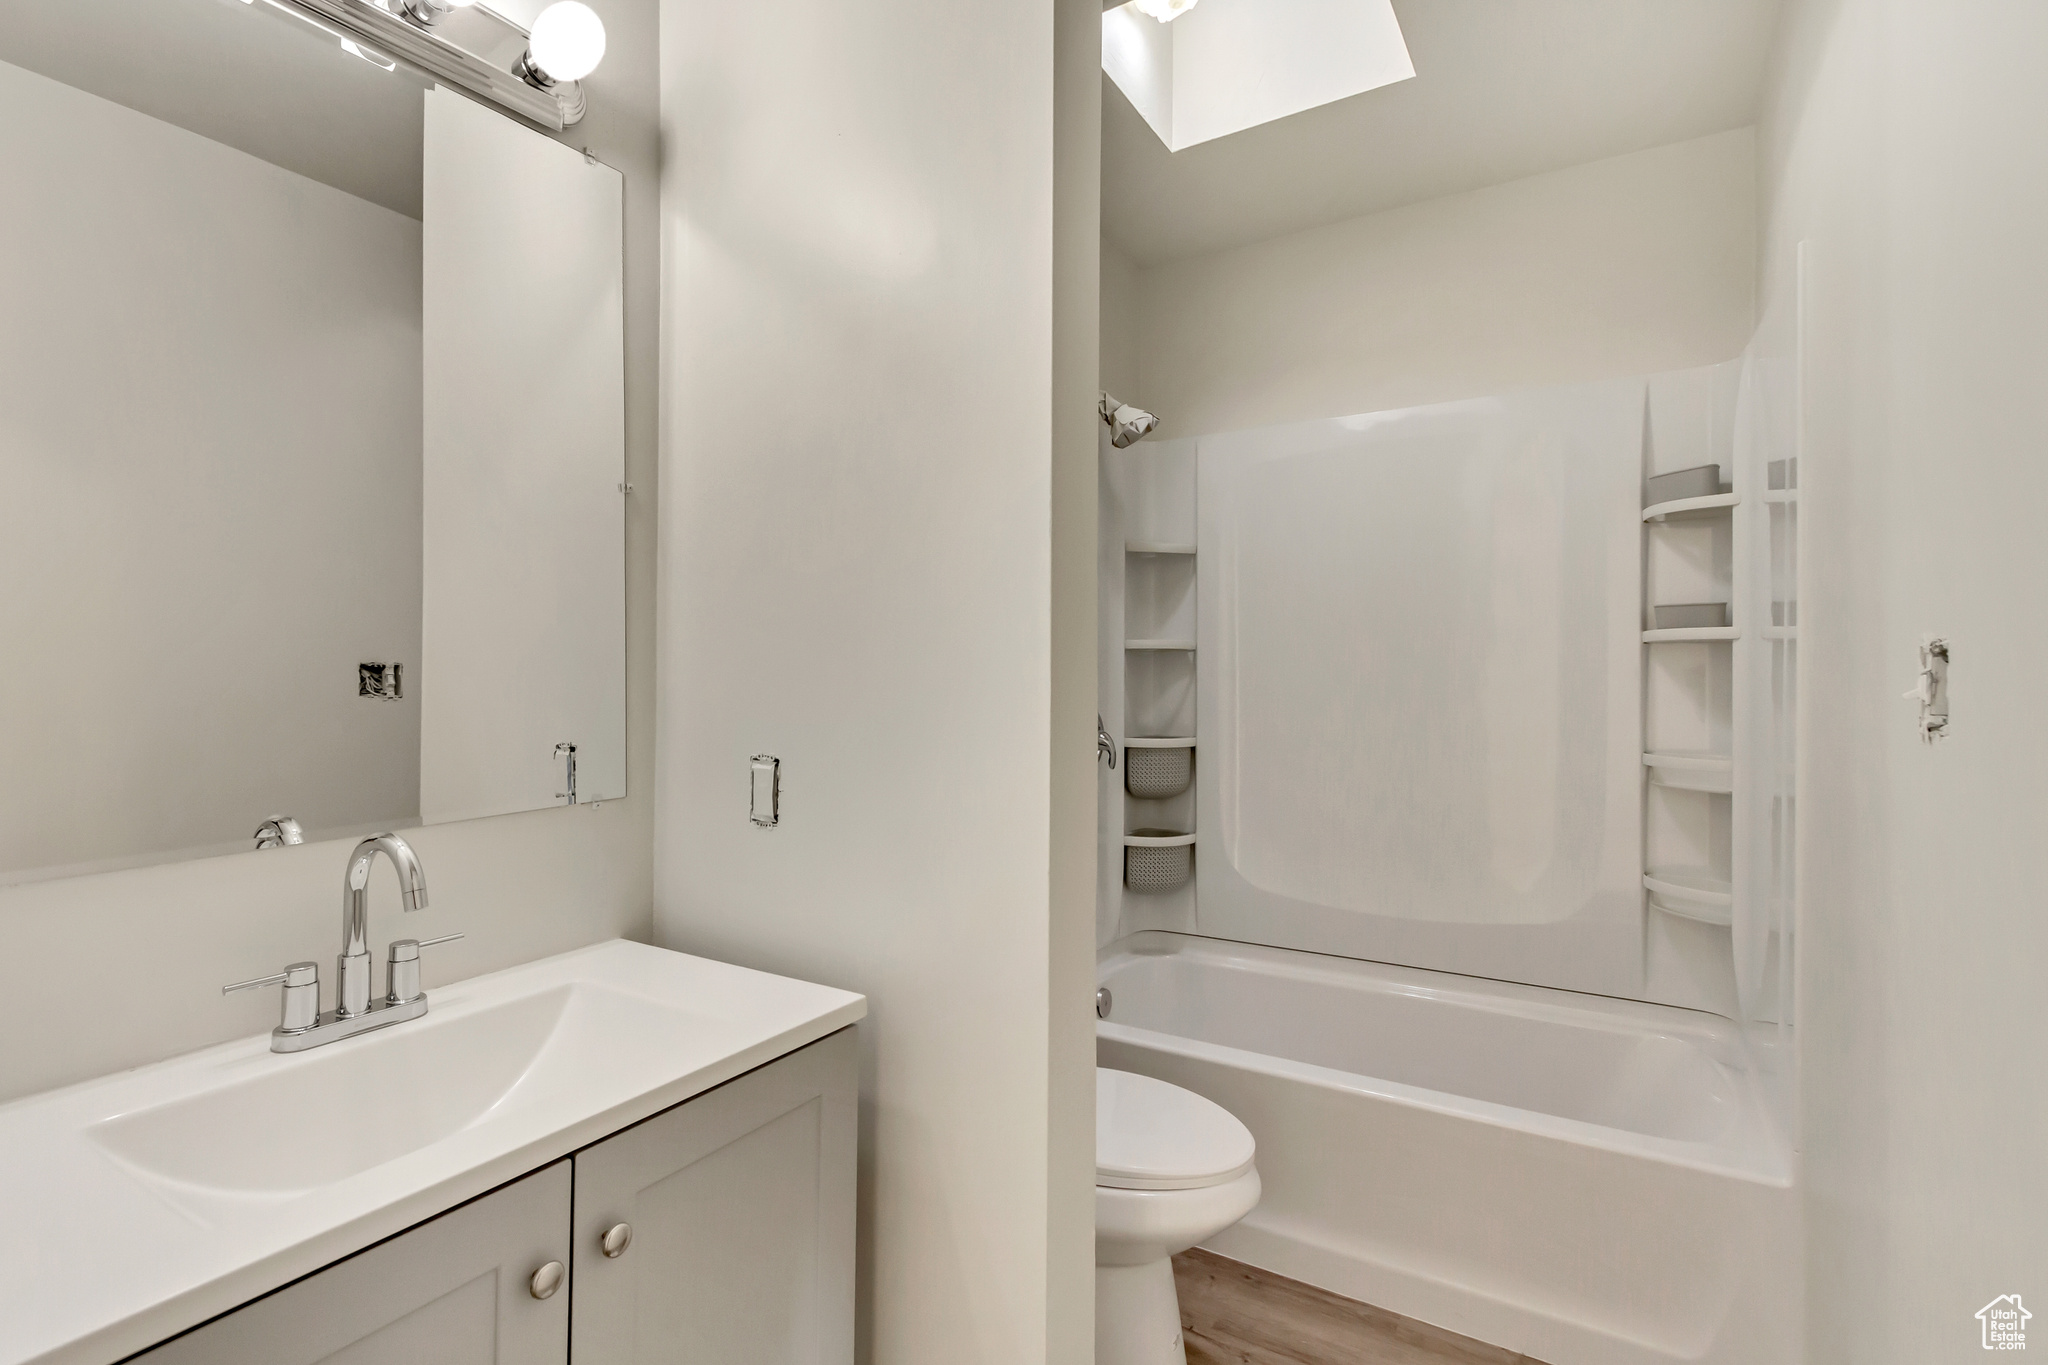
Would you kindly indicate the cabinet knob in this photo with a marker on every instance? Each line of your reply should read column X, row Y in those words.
column 547, row 1280
column 617, row 1238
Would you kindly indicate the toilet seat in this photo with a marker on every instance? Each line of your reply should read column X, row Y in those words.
column 1150, row 1135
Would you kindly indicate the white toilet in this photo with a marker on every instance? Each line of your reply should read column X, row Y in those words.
column 1171, row 1169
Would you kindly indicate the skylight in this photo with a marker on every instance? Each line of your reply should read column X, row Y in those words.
column 1228, row 65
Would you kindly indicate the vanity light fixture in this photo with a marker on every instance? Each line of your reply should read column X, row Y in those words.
column 469, row 45
column 1165, row 11
column 565, row 45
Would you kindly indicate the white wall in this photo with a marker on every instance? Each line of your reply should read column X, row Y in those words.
column 1628, row 266
column 116, row 970
column 1076, row 370
column 201, row 546
column 857, row 577
column 1906, row 145
column 1118, row 335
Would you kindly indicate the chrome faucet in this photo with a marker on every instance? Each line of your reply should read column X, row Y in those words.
column 302, row 1024
column 352, row 995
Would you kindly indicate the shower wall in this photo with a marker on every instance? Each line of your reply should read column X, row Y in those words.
column 1419, row 684
column 1419, row 703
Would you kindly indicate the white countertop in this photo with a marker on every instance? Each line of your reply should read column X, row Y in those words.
column 141, row 1204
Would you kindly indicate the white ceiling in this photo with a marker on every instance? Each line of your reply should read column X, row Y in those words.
column 1503, row 89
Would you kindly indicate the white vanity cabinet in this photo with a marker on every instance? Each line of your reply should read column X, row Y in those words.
column 740, row 1205
column 453, row 1291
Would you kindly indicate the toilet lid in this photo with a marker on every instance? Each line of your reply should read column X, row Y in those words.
column 1153, row 1136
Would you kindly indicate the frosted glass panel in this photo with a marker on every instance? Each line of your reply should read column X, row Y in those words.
column 1419, row 698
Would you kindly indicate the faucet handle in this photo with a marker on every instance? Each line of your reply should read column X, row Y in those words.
column 402, row 968
column 408, row 949
column 300, row 1007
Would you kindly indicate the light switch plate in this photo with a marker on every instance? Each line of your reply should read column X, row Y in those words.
column 766, row 807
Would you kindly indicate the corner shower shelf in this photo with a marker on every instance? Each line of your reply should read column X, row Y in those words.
column 1691, row 893
column 1158, row 861
column 1692, row 771
column 1188, row 645
column 1682, row 507
column 1157, row 547
column 1659, row 637
column 1158, row 840
column 1160, row 742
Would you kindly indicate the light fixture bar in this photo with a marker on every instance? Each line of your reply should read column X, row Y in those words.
column 401, row 38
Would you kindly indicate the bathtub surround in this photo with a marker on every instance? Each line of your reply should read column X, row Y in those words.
column 161, row 940
column 1905, row 157
column 1520, row 515
column 861, row 219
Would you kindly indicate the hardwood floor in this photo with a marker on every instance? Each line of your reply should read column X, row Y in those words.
column 1235, row 1314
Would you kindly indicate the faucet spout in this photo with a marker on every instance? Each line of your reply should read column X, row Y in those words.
column 353, row 987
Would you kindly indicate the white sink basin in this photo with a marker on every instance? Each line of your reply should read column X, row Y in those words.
column 283, row 1131
column 144, row 1203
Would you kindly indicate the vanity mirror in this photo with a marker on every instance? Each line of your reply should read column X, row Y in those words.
column 311, row 443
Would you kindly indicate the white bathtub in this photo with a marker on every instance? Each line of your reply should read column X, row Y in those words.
column 1586, row 1180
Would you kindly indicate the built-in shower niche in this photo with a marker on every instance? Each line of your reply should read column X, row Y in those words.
column 1688, row 734
column 1688, row 706
column 1159, row 596
column 1149, row 530
column 1689, row 563
column 1159, row 693
column 1159, row 720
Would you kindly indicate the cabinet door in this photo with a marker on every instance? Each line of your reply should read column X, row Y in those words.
column 741, row 1206
column 453, row 1291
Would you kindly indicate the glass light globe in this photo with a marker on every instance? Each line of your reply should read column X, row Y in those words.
column 1165, row 11
column 567, row 41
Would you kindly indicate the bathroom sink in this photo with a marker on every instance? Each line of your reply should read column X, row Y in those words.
column 282, row 1131
column 144, row 1203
